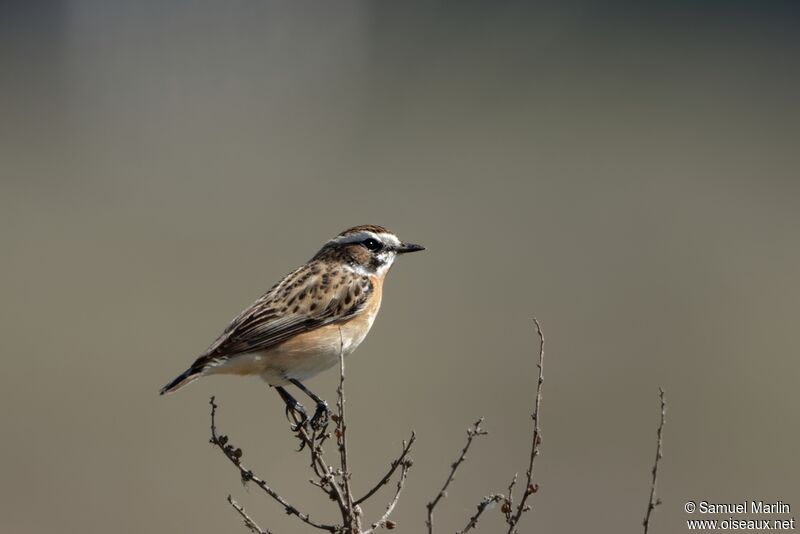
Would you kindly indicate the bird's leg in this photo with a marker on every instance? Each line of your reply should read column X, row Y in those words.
column 320, row 418
column 294, row 410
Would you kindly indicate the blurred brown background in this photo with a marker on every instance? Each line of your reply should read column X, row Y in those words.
column 628, row 173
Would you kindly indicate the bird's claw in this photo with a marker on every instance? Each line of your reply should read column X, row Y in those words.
column 297, row 414
column 319, row 422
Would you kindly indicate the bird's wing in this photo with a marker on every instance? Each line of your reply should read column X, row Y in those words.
column 310, row 297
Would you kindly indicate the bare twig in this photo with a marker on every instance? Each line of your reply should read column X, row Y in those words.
column 530, row 487
column 508, row 504
column 324, row 472
column 395, row 464
column 472, row 433
column 235, row 456
column 353, row 518
column 384, row 520
column 482, row 506
column 248, row 521
column 312, row 439
column 653, row 502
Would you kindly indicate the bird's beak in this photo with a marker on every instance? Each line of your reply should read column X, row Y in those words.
column 409, row 247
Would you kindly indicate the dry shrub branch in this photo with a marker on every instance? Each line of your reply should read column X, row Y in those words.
column 334, row 480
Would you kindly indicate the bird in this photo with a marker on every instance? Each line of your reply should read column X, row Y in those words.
column 301, row 325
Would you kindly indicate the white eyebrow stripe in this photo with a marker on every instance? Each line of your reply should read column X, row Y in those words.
column 390, row 239
column 358, row 237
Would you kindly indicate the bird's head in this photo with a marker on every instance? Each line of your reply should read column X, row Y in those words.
column 369, row 249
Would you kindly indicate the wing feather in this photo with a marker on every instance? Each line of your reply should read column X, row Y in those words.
column 309, row 298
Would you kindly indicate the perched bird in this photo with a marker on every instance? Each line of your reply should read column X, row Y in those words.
column 300, row 326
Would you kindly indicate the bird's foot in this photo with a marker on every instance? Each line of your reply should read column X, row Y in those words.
column 319, row 422
column 296, row 413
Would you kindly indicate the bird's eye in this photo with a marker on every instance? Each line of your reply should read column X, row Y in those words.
column 373, row 244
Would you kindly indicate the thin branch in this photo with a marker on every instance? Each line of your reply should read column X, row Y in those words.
column 472, row 433
column 653, row 502
column 530, row 486
column 327, row 480
column 482, row 506
column 325, row 474
column 384, row 520
column 353, row 518
column 235, row 456
column 248, row 521
column 395, row 464
column 508, row 504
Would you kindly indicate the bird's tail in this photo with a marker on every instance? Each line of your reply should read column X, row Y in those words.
column 190, row 375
